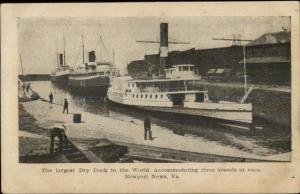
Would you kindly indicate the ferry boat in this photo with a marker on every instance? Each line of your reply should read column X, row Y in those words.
column 176, row 93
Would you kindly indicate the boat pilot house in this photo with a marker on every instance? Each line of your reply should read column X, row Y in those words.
column 178, row 86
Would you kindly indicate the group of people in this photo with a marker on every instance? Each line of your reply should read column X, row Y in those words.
column 25, row 87
column 66, row 103
column 59, row 131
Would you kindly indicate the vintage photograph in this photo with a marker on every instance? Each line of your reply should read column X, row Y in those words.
column 154, row 89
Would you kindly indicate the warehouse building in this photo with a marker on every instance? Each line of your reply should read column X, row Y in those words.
column 268, row 60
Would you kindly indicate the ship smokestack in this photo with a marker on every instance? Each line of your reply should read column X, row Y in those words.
column 163, row 50
column 92, row 56
column 61, row 59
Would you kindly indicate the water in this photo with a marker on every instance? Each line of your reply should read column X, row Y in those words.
column 266, row 140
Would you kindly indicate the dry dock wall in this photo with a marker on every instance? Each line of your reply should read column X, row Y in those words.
column 270, row 105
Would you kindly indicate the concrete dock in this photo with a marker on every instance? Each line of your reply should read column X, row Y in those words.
column 130, row 135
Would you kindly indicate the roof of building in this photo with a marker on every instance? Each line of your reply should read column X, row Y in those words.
column 272, row 38
column 266, row 60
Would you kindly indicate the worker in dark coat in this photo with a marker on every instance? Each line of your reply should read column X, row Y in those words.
column 27, row 87
column 147, row 128
column 58, row 131
column 66, row 106
column 23, row 87
column 51, row 98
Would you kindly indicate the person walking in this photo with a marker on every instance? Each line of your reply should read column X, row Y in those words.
column 147, row 127
column 51, row 98
column 66, row 106
column 58, row 131
column 23, row 87
column 27, row 87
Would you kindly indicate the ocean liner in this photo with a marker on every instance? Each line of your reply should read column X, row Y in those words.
column 92, row 77
column 62, row 71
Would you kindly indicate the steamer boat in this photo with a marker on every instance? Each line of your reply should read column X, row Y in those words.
column 62, row 71
column 61, row 74
column 93, row 76
column 176, row 93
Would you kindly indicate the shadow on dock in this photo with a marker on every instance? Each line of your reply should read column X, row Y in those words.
column 105, row 151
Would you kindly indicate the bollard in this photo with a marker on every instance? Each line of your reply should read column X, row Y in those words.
column 77, row 118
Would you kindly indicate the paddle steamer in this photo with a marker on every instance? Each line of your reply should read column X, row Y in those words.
column 176, row 93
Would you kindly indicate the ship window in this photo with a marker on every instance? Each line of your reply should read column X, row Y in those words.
column 146, row 96
column 161, row 96
column 155, row 96
column 132, row 95
column 142, row 96
column 137, row 96
column 150, row 96
column 185, row 68
column 180, row 69
column 200, row 97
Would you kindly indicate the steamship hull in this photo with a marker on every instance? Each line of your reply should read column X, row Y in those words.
column 60, row 78
column 234, row 117
column 90, row 85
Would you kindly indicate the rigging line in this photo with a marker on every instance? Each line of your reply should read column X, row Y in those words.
column 97, row 42
column 105, row 50
column 104, row 46
column 77, row 56
column 76, row 59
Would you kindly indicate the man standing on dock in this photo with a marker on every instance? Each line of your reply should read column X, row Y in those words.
column 147, row 127
column 27, row 87
column 24, row 87
column 51, row 98
column 66, row 106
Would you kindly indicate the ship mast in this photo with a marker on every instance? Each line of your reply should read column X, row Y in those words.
column 64, row 49
column 82, row 49
column 245, row 73
column 21, row 64
column 113, row 57
column 57, row 56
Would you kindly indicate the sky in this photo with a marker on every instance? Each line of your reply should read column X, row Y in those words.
column 39, row 39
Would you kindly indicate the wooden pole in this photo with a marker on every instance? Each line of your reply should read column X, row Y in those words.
column 82, row 50
column 245, row 73
column 21, row 64
column 64, row 63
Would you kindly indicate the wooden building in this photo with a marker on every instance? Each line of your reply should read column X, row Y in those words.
column 268, row 60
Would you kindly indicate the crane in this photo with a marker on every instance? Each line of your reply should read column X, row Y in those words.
column 236, row 39
column 169, row 42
